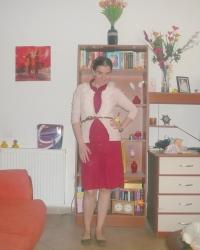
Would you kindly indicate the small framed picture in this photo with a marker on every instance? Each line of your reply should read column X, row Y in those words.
column 183, row 84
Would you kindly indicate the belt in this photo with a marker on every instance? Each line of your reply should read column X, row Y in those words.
column 89, row 118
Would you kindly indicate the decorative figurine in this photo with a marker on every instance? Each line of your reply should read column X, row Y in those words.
column 152, row 121
column 136, row 100
column 131, row 151
column 166, row 119
column 4, row 144
column 138, row 135
column 134, row 167
column 15, row 144
column 132, row 85
column 176, row 146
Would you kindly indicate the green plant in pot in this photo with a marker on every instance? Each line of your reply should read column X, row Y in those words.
column 113, row 10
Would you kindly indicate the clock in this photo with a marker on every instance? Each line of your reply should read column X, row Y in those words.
column 122, row 207
column 117, row 207
column 128, row 208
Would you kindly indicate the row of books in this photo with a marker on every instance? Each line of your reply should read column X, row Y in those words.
column 120, row 59
column 128, row 195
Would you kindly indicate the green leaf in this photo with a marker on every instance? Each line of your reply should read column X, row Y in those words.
column 112, row 13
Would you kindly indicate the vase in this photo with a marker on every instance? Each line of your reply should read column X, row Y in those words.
column 112, row 35
column 134, row 167
column 165, row 80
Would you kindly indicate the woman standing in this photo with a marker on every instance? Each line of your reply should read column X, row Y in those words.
column 98, row 137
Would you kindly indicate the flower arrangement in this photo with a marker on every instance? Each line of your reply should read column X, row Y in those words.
column 112, row 9
column 165, row 47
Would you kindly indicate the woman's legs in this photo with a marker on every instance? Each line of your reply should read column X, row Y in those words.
column 103, row 205
column 89, row 203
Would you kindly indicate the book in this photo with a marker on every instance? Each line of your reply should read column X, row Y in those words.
column 131, row 185
column 114, row 56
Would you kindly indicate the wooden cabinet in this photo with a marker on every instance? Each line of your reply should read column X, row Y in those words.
column 130, row 75
column 173, row 191
column 174, row 98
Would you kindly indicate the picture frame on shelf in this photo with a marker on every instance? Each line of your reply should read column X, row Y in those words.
column 183, row 84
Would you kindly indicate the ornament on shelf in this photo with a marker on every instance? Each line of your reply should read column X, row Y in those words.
column 134, row 167
column 136, row 100
column 4, row 144
column 131, row 151
column 140, row 84
column 15, row 144
column 175, row 146
column 166, row 119
column 152, row 121
column 138, row 135
column 132, row 86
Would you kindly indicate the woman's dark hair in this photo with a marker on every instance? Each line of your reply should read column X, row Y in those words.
column 102, row 61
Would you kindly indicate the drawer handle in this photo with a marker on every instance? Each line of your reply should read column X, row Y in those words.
column 186, row 185
column 186, row 204
column 184, row 223
column 186, row 166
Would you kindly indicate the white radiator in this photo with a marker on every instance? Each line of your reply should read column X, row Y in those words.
column 47, row 168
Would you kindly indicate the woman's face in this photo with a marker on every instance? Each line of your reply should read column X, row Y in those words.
column 102, row 75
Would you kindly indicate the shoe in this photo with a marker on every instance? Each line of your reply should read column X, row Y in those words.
column 86, row 241
column 101, row 243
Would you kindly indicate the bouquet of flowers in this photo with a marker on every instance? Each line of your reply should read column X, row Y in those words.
column 112, row 9
column 165, row 47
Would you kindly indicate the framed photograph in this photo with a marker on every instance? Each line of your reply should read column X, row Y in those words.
column 183, row 84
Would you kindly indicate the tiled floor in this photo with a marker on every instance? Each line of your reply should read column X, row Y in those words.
column 61, row 233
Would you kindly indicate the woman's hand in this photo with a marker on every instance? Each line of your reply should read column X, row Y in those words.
column 84, row 152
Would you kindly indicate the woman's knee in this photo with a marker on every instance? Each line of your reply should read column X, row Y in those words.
column 105, row 191
column 90, row 193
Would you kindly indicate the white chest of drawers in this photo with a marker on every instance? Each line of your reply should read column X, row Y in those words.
column 173, row 198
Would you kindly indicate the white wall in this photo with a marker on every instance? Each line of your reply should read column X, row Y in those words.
column 63, row 25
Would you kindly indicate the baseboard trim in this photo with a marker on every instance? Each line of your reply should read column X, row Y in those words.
column 59, row 210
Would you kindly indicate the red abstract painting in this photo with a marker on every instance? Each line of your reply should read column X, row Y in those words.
column 33, row 63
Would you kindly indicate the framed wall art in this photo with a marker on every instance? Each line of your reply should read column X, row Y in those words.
column 49, row 136
column 183, row 84
column 33, row 63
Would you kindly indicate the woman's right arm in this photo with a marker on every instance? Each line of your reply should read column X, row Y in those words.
column 84, row 150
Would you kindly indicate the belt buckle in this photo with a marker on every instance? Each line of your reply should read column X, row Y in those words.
column 90, row 118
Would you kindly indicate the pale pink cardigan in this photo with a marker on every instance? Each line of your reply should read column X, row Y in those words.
column 82, row 107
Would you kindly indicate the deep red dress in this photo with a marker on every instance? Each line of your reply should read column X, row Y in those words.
column 104, row 168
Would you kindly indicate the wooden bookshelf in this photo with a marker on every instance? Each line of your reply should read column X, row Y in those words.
column 174, row 98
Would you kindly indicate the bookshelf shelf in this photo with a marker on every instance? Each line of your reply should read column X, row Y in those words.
column 117, row 220
column 139, row 177
column 163, row 126
column 131, row 76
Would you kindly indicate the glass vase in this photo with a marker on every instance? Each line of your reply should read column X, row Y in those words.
column 165, row 81
column 112, row 35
